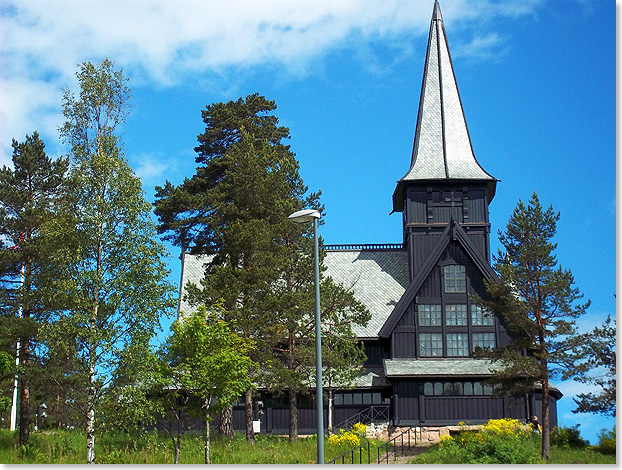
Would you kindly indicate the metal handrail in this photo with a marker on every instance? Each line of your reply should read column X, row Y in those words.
column 386, row 444
column 351, row 453
column 367, row 416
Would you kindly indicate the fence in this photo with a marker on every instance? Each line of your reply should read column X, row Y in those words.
column 352, row 454
column 373, row 414
column 391, row 447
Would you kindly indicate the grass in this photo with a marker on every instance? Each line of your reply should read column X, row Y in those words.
column 69, row 447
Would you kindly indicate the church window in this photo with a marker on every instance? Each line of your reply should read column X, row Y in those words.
column 457, row 344
column 429, row 315
column 455, row 278
column 430, row 344
column 484, row 340
column 480, row 316
column 456, row 315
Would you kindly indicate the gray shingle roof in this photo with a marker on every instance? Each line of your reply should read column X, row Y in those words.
column 442, row 149
column 193, row 271
column 437, row 367
column 378, row 279
column 442, row 146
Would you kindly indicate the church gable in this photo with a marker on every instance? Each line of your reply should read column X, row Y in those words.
column 454, row 269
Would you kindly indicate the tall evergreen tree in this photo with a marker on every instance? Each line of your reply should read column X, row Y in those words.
column 28, row 195
column 538, row 302
column 112, row 290
column 235, row 209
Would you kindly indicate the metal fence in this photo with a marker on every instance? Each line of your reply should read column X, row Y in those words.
column 350, row 456
column 373, row 414
column 392, row 448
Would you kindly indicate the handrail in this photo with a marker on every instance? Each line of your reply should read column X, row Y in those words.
column 386, row 444
column 351, row 452
column 366, row 416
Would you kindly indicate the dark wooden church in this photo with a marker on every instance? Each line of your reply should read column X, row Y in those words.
column 424, row 327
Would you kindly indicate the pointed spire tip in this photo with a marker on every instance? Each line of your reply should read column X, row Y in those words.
column 436, row 15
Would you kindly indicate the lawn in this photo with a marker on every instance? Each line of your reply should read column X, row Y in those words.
column 69, row 447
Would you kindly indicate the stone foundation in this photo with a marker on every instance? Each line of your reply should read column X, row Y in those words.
column 422, row 435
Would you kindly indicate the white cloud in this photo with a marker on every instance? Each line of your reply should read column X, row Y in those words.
column 163, row 42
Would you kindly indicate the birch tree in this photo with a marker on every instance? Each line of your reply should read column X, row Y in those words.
column 112, row 290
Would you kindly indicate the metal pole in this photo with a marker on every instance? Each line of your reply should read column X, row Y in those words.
column 318, row 350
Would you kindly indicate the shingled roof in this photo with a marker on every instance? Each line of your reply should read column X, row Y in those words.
column 442, row 148
column 377, row 277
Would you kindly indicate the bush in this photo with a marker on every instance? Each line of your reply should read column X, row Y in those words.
column 607, row 442
column 501, row 441
column 568, row 438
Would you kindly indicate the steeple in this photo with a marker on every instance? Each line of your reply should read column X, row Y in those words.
column 442, row 150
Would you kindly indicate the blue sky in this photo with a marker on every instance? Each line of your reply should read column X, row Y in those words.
column 536, row 78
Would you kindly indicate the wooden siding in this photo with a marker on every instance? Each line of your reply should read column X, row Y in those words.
column 406, row 400
column 462, row 408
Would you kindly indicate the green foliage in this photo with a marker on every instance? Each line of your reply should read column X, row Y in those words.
column 235, row 209
column 348, row 438
column 594, row 362
column 499, row 442
column 206, row 359
column 538, row 303
column 568, row 438
column 110, row 287
column 607, row 442
column 7, row 365
column 29, row 193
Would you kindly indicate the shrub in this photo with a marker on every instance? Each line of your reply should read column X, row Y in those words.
column 351, row 438
column 501, row 441
column 568, row 438
column 607, row 442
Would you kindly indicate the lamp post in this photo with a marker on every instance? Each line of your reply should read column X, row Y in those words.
column 301, row 217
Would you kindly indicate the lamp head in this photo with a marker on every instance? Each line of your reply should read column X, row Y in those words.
column 305, row 215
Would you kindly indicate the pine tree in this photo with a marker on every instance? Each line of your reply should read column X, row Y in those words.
column 28, row 196
column 538, row 302
column 593, row 362
column 235, row 209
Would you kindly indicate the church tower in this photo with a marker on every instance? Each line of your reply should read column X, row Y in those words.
column 445, row 182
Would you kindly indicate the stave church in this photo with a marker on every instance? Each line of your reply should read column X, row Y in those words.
column 419, row 342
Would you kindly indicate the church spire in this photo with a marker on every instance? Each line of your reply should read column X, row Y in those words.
column 442, row 148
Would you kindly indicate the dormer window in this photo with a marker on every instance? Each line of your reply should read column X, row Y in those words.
column 455, row 279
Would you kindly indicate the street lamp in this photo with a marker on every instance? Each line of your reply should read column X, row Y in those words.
column 301, row 217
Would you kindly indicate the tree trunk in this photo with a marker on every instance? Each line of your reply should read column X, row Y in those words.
column 225, row 428
column 331, row 394
column 24, row 412
column 546, row 422
column 177, row 444
column 90, row 435
column 207, row 437
column 293, row 415
column 248, row 405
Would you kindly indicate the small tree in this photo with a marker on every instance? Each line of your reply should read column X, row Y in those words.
column 209, row 361
column 342, row 356
column 538, row 302
column 594, row 363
